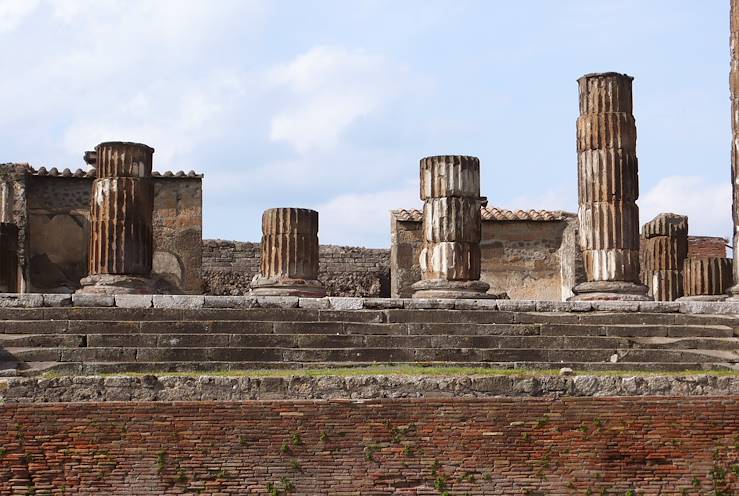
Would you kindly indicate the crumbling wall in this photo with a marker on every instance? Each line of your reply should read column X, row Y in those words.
column 58, row 209
column 178, row 233
column 228, row 267
column 529, row 258
column 706, row 246
column 59, row 223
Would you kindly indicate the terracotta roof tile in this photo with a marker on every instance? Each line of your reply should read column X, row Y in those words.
column 495, row 214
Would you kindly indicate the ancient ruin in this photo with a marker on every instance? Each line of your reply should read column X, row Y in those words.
column 734, row 92
column 121, row 209
column 664, row 250
column 191, row 366
column 608, row 187
column 707, row 278
column 450, row 258
column 289, row 264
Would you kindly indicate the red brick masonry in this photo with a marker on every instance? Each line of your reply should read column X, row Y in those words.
column 648, row 445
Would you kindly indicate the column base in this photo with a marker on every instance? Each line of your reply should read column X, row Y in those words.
column 454, row 290
column 273, row 286
column 704, row 298
column 610, row 291
column 733, row 293
column 112, row 284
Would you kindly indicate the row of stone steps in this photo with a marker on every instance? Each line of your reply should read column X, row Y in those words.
column 16, row 342
column 110, row 339
column 410, row 355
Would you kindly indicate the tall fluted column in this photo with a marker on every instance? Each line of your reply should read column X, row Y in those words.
column 121, row 208
column 707, row 278
column 450, row 258
column 289, row 265
column 608, row 184
column 665, row 247
column 734, row 91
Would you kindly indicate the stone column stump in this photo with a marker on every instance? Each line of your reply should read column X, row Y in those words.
column 121, row 209
column 450, row 258
column 665, row 248
column 707, row 278
column 289, row 265
column 608, row 187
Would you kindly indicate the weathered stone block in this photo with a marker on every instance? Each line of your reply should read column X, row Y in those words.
column 92, row 300
column 338, row 303
column 57, row 300
column 229, row 302
column 133, row 301
column 179, row 301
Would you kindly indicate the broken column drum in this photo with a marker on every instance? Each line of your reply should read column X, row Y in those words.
column 734, row 90
column 608, row 187
column 665, row 247
column 121, row 209
column 289, row 265
column 707, row 278
column 450, row 258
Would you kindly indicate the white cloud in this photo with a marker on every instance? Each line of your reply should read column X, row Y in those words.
column 13, row 12
column 707, row 205
column 329, row 88
column 363, row 219
column 174, row 122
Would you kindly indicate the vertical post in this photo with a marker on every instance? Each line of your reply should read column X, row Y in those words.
column 707, row 278
column 734, row 92
column 289, row 265
column 121, row 209
column 665, row 248
column 608, row 187
column 450, row 258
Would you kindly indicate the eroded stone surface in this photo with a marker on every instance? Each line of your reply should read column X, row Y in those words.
column 707, row 277
column 608, row 188
column 195, row 388
column 450, row 257
column 121, row 210
column 665, row 249
column 289, row 263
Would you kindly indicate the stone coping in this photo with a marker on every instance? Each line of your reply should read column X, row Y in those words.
column 368, row 387
column 34, row 300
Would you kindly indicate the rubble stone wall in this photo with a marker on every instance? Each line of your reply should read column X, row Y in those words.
column 228, row 267
column 592, row 445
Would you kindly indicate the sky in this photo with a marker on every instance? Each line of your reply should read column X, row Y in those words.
column 330, row 104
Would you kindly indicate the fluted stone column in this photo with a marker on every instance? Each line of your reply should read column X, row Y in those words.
column 289, row 265
column 707, row 278
column 734, row 91
column 665, row 247
column 608, row 187
column 121, row 208
column 450, row 257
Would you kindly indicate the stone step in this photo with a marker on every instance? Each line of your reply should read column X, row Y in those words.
column 73, row 327
column 94, row 368
column 248, row 354
column 367, row 316
column 555, row 341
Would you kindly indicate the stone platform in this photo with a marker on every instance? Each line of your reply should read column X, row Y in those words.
column 85, row 334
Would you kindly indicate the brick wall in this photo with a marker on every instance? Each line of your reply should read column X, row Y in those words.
column 228, row 267
column 628, row 445
column 706, row 246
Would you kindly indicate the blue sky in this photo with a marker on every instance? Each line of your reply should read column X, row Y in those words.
column 330, row 104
